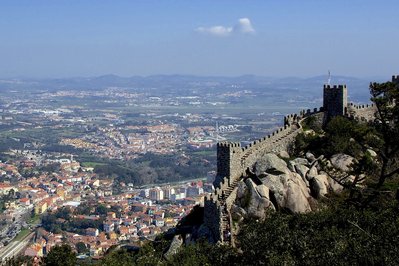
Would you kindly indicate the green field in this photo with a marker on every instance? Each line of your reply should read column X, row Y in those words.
column 91, row 164
column 204, row 152
column 24, row 232
column 34, row 220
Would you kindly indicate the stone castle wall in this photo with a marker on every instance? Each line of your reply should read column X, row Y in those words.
column 212, row 217
column 228, row 160
column 233, row 160
column 335, row 99
column 365, row 112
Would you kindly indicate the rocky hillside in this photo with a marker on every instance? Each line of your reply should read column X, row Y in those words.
column 292, row 185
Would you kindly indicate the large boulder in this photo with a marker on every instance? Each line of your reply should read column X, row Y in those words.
column 238, row 214
column 259, row 203
column 319, row 186
column 263, row 191
column 291, row 166
column 277, row 184
column 289, row 191
column 301, row 161
column 342, row 161
column 270, row 163
column 312, row 172
column 298, row 179
column 311, row 158
column 241, row 189
column 334, row 185
column 296, row 200
column 302, row 170
column 284, row 154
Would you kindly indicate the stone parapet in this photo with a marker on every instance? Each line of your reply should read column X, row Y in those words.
column 364, row 112
column 233, row 160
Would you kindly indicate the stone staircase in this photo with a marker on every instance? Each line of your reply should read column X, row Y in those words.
column 268, row 145
column 225, row 218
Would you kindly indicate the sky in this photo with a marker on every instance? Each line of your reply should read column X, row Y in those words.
column 279, row 38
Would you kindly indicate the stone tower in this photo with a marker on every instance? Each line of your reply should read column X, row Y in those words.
column 335, row 101
column 228, row 161
column 395, row 79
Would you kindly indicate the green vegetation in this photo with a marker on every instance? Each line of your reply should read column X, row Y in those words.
column 63, row 220
column 153, row 168
column 81, row 248
column 92, row 164
column 358, row 227
column 35, row 219
column 18, row 261
column 341, row 135
column 338, row 235
column 49, row 135
column 61, row 256
column 360, row 139
column 24, row 232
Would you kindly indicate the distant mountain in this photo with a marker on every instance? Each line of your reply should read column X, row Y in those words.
column 357, row 87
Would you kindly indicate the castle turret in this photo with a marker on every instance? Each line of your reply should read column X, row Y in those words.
column 228, row 161
column 335, row 100
column 395, row 79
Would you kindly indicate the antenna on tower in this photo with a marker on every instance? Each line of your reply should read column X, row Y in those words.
column 329, row 78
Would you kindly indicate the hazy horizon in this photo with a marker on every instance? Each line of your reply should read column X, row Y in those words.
column 375, row 77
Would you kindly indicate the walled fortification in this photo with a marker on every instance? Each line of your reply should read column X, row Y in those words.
column 335, row 99
column 395, row 79
column 365, row 112
column 233, row 160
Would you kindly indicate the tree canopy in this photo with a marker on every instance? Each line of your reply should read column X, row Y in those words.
column 61, row 256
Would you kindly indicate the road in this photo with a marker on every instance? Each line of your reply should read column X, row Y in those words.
column 15, row 247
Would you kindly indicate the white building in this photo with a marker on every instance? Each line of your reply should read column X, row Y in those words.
column 156, row 194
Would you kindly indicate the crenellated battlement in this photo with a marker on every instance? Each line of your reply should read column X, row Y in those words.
column 361, row 106
column 233, row 160
column 335, row 87
column 227, row 144
column 363, row 112
column 335, row 101
column 228, row 158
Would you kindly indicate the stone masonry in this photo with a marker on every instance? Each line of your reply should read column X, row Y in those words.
column 335, row 100
column 233, row 160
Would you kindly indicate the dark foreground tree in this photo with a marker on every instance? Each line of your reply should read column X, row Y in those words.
column 338, row 235
column 386, row 98
column 81, row 248
column 17, row 261
column 61, row 256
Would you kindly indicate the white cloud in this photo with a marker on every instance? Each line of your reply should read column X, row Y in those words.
column 216, row 30
column 244, row 26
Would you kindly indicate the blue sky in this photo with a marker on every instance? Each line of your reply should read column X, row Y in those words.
column 270, row 38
